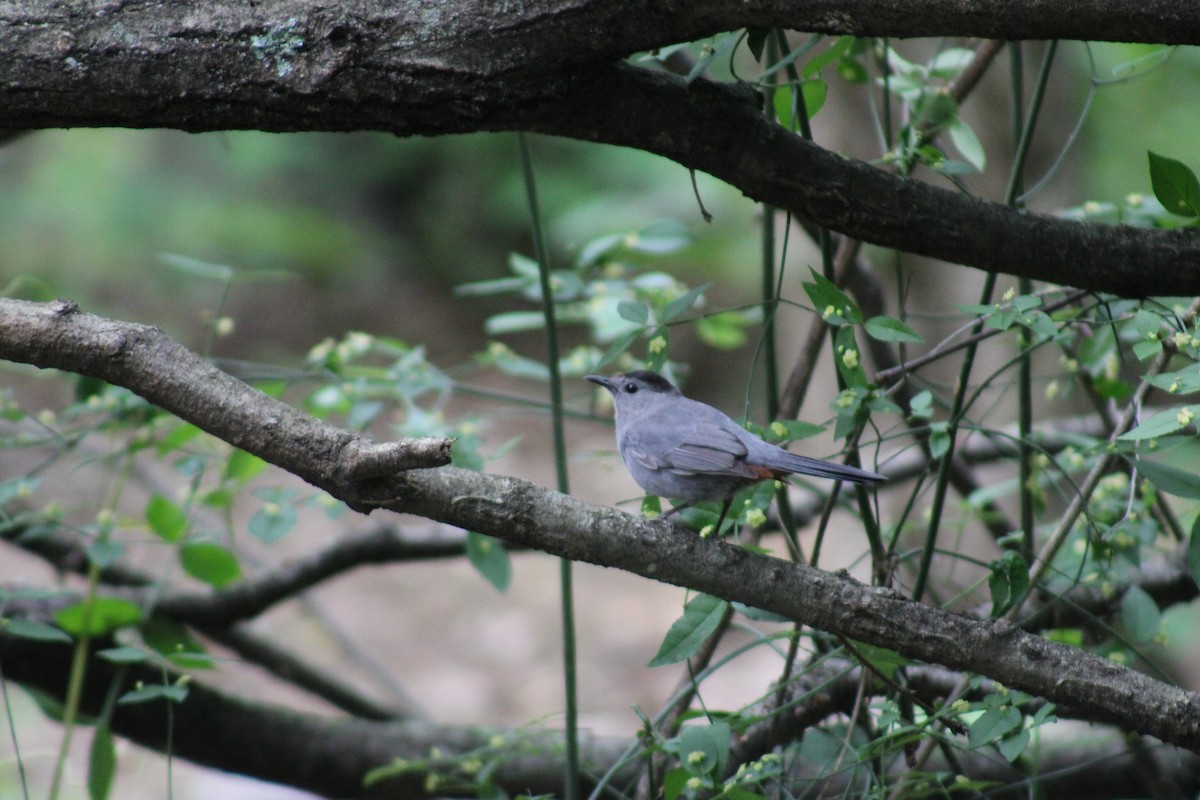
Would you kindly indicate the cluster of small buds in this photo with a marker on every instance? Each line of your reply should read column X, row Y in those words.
column 846, row 398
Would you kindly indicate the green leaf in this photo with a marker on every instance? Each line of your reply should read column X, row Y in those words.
column 1174, row 185
column 950, row 62
column 210, row 563
column 272, row 522
column 1160, row 424
column 491, row 558
column 1011, row 747
column 510, row 363
column 22, row 488
column 792, row 430
column 849, row 357
column 700, row 618
column 496, row 286
column 836, row 51
column 222, row 273
column 675, row 782
column 102, row 763
column 885, row 660
column 1139, row 614
column 831, row 302
column 682, row 304
column 181, row 435
column 616, row 349
column 144, row 694
column 725, row 330
column 1193, row 551
column 738, row 793
column 107, row 614
column 104, row 552
column 851, row 71
column 939, row 439
column 968, row 143
column 993, row 724
column 1147, row 348
column 26, row 287
column 514, row 322
column 174, row 641
column 757, row 614
column 242, row 466
column 782, row 101
column 651, row 506
column 889, row 329
column 1169, row 479
column 1185, row 381
column 712, row 740
column 633, row 311
column 814, row 92
column 1146, row 323
column 34, row 630
column 166, row 520
column 921, row 405
column 1008, row 582
column 523, row 265
column 122, row 655
column 659, row 238
column 1142, row 64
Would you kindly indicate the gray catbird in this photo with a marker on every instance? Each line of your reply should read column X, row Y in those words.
column 682, row 449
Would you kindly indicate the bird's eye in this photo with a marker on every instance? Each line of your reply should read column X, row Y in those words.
column 630, row 387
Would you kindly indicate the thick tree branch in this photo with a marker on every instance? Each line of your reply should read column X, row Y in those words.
column 289, row 66
column 322, row 754
column 169, row 375
column 664, row 115
column 530, row 515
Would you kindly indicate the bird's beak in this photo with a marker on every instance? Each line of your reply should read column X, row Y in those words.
column 603, row 380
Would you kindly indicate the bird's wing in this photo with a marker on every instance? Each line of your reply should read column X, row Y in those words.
column 699, row 445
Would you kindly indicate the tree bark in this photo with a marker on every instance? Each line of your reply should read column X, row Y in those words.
column 548, row 67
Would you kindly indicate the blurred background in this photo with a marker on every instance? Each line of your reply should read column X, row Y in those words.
column 329, row 234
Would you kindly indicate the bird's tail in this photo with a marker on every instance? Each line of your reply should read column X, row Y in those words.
column 801, row 465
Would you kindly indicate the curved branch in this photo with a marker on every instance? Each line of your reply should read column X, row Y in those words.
column 321, row 754
column 527, row 514
column 544, row 67
column 254, row 595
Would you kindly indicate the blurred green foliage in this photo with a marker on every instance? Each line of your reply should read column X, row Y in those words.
column 88, row 212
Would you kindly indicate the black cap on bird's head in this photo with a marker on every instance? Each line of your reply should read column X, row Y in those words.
column 638, row 380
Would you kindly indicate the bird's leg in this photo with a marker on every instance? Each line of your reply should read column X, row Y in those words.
column 724, row 511
column 676, row 510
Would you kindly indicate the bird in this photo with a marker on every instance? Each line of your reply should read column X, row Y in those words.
column 684, row 450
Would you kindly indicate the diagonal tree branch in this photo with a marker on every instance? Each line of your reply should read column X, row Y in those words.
column 295, row 65
column 171, row 376
column 530, row 515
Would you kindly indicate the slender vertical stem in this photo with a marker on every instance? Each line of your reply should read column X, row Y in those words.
column 870, row 525
column 769, row 303
column 12, row 732
column 560, row 464
column 75, row 681
column 1025, row 367
column 964, row 376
